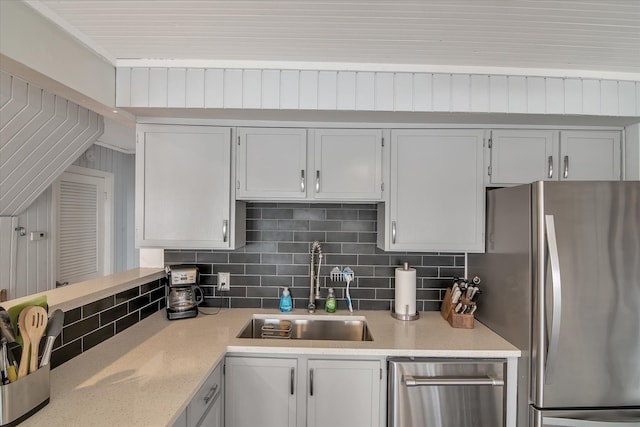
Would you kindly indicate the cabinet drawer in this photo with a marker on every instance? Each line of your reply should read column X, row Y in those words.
column 206, row 396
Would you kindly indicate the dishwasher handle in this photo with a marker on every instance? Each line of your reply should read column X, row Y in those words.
column 411, row 381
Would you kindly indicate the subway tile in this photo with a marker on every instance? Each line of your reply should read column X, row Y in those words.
column 149, row 310
column 452, row 272
column 277, row 258
column 263, row 291
column 246, row 303
column 97, row 306
column 208, row 279
column 212, row 257
column 72, row 316
column 138, row 303
column 261, row 247
column 256, row 236
column 277, row 213
column 309, row 214
column 148, row 287
column 292, row 270
column 367, row 215
column 289, row 247
column 378, row 282
column 331, row 248
column 262, row 224
column 253, row 213
column 374, row 305
column 428, row 294
column 342, row 214
column 431, row 305
column 127, row 295
column 172, row 257
column 358, row 226
column 325, row 226
column 358, row 248
column 157, row 294
column 244, row 258
column 308, row 236
column 270, row 303
column 98, row 336
column 78, row 329
column 400, row 259
column 276, row 281
column 261, row 269
column 127, row 321
column 367, row 238
column 278, row 236
column 66, row 353
column 342, row 236
column 234, row 269
column 113, row 313
column 343, row 260
column 373, row 259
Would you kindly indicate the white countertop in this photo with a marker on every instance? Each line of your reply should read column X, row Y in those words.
column 146, row 375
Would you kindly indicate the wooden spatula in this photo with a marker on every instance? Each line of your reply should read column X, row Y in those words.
column 33, row 323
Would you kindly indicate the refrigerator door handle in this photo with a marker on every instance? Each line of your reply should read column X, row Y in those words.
column 554, row 258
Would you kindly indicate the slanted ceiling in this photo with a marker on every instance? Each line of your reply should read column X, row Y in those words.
column 40, row 136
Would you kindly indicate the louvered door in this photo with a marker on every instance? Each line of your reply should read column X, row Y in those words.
column 80, row 242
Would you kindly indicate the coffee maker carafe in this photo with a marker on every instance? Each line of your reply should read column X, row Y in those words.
column 183, row 292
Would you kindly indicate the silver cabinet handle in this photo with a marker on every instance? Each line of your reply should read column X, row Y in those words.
column 565, row 174
column 225, row 227
column 550, row 167
column 411, row 381
column 393, row 232
column 293, row 379
column 317, row 181
column 211, row 393
column 311, row 382
column 302, row 180
column 556, row 310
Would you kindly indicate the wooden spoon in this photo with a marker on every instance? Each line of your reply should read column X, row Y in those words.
column 33, row 323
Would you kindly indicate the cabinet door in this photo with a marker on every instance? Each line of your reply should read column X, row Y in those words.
column 183, row 186
column 523, row 156
column 590, row 156
column 348, row 164
column 260, row 392
column 271, row 164
column 343, row 393
column 207, row 401
column 437, row 192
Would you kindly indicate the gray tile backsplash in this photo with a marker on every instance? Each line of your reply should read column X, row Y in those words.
column 277, row 255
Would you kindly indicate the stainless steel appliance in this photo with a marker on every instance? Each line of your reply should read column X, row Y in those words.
column 446, row 393
column 183, row 292
column 561, row 281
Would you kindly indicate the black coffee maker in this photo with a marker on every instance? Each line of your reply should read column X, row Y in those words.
column 183, row 292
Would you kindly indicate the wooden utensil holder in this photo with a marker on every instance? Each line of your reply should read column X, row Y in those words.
column 456, row 320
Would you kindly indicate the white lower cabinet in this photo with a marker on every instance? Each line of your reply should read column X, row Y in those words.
column 302, row 391
column 343, row 393
column 260, row 392
column 205, row 409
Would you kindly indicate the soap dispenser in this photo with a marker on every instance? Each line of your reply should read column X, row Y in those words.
column 330, row 305
column 285, row 301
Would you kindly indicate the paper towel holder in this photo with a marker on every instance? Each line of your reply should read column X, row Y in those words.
column 406, row 316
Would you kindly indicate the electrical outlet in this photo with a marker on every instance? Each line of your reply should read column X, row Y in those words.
column 223, row 281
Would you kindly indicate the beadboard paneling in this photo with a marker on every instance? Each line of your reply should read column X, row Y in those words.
column 375, row 91
column 40, row 136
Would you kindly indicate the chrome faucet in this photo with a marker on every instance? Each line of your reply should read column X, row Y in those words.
column 313, row 296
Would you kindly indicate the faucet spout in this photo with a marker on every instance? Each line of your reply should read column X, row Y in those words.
column 314, row 291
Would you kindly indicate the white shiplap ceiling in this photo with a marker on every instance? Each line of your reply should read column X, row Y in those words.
column 531, row 34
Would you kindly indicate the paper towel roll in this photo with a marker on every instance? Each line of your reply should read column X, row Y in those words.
column 405, row 291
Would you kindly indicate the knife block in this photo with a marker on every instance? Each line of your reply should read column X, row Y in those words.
column 24, row 397
column 456, row 320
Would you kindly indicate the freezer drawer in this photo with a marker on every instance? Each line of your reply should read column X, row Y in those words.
column 585, row 418
column 446, row 392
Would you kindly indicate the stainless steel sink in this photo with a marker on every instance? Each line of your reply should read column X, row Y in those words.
column 307, row 327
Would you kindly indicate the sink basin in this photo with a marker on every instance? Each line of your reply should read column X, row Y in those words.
column 307, row 327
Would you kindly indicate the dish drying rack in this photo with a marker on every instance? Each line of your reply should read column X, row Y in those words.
column 339, row 274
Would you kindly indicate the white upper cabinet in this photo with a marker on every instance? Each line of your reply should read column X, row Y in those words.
column 436, row 201
column 271, row 163
column 332, row 164
column 524, row 156
column 347, row 164
column 183, row 197
column 521, row 156
column 590, row 156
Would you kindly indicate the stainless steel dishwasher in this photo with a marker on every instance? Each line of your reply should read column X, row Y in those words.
column 446, row 392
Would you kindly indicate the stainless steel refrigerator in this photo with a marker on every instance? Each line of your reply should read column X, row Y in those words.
column 561, row 281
